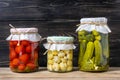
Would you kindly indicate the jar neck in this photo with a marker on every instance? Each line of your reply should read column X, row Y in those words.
column 18, row 33
column 93, row 23
column 60, row 42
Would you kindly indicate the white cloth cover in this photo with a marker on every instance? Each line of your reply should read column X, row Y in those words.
column 59, row 46
column 30, row 34
column 59, row 43
column 99, row 24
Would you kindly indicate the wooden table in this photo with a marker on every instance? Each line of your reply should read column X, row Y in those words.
column 43, row 74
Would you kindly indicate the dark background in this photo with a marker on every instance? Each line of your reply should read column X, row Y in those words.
column 58, row 17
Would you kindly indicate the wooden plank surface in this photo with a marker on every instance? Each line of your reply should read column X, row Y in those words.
column 43, row 74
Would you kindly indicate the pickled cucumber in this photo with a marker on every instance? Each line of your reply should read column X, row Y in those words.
column 94, row 32
column 98, row 52
column 82, row 35
column 82, row 51
column 89, row 51
column 98, row 37
column 83, row 32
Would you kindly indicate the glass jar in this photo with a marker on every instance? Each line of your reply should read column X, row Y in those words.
column 24, row 49
column 59, row 53
column 94, row 45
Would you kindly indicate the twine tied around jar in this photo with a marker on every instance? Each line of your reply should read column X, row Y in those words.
column 92, row 23
column 51, row 42
column 17, row 32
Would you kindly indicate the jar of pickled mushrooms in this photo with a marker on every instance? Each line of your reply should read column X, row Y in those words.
column 59, row 53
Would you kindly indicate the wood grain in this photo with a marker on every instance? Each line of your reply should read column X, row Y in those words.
column 58, row 9
column 43, row 74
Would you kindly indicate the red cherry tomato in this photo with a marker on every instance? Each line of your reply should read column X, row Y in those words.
column 21, row 67
column 29, row 49
column 14, row 43
column 31, row 66
column 24, row 58
column 15, row 62
column 19, row 49
column 25, row 43
column 12, row 55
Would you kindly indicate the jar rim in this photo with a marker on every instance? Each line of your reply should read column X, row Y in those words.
column 24, row 30
column 94, row 20
column 60, row 39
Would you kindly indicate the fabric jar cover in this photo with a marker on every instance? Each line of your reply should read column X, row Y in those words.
column 30, row 34
column 59, row 43
column 89, row 24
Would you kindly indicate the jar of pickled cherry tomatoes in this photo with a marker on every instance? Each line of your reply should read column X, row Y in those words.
column 94, row 44
column 24, row 49
column 59, row 53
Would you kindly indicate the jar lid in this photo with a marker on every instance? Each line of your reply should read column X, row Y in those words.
column 98, row 23
column 59, row 43
column 94, row 20
column 60, row 39
column 23, row 30
column 30, row 34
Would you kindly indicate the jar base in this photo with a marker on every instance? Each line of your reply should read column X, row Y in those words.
column 30, row 71
column 94, row 70
column 60, row 71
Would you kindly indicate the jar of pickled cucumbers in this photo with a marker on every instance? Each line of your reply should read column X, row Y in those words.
column 94, row 45
column 59, row 53
column 24, row 49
